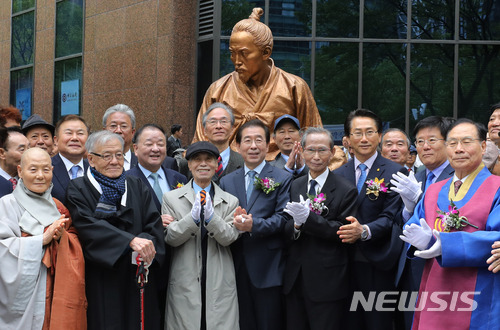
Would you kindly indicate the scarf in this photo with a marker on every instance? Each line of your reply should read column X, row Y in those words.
column 40, row 211
column 112, row 192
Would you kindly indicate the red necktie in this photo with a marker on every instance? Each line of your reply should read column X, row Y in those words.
column 220, row 168
column 457, row 184
column 14, row 183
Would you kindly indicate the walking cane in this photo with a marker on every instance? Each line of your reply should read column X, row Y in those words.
column 142, row 278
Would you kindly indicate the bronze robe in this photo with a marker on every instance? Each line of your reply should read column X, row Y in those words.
column 283, row 93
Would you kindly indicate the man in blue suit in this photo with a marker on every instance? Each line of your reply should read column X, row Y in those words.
column 374, row 231
column 71, row 133
column 263, row 191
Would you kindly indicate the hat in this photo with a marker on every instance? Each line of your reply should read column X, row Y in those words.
column 201, row 146
column 292, row 118
column 413, row 149
column 36, row 120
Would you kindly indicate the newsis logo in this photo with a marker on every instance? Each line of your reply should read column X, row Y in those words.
column 438, row 301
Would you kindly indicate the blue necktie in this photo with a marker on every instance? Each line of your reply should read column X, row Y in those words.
column 74, row 171
column 312, row 187
column 251, row 176
column 430, row 177
column 362, row 177
column 156, row 186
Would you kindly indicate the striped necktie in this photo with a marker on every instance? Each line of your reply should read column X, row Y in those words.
column 220, row 168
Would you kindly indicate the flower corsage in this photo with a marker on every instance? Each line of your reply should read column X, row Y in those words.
column 267, row 185
column 451, row 219
column 317, row 204
column 375, row 187
column 178, row 185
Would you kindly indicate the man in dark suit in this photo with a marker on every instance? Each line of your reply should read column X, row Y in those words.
column 374, row 232
column 218, row 125
column 12, row 146
column 316, row 281
column 174, row 140
column 71, row 133
column 430, row 136
column 287, row 137
column 263, row 191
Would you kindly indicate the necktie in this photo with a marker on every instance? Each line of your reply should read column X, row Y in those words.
column 457, row 184
column 203, row 201
column 251, row 179
column 74, row 171
column 362, row 177
column 156, row 186
column 14, row 183
column 430, row 177
column 220, row 168
column 312, row 187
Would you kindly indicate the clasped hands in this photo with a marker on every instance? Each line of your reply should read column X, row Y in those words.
column 242, row 221
column 299, row 211
column 208, row 208
column 55, row 230
column 420, row 237
column 408, row 188
column 295, row 160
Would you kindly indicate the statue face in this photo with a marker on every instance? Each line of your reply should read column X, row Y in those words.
column 248, row 59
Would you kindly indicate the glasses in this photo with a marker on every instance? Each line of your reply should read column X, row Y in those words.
column 249, row 142
column 213, row 122
column 368, row 134
column 431, row 142
column 109, row 157
column 466, row 142
column 123, row 127
column 312, row 151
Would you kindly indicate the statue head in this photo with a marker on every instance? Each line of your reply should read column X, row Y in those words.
column 261, row 33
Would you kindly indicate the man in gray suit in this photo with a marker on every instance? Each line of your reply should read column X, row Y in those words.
column 287, row 137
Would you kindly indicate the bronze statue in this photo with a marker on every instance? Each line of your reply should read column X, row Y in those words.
column 257, row 88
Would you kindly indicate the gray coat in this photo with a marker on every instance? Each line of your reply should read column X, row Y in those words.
column 184, row 290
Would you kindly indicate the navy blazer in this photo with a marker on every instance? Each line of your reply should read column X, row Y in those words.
column 380, row 214
column 5, row 186
column 172, row 177
column 60, row 177
column 262, row 250
column 421, row 176
column 279, row 162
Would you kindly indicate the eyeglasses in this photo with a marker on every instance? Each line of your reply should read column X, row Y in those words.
column 312, row 151
column 213, row 122
column 368, row 134
column 109, row 157
column 123, row 127
column 249, row 142
column 466, row 142
column 431, row 142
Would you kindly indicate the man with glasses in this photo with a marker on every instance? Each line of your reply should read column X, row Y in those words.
column 120, row 119
column 452, row 228
column 373, row 231
column 115, row 216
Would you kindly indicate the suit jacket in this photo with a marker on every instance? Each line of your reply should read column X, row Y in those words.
column 318, row 251
column 5, row 186
column 279, row 162
column 168, row 162
column 172, row 145
column 383, row 249
column 60, row 177
column 172, row 177
column 421, row 176
column 235, row 162
column 262, row 250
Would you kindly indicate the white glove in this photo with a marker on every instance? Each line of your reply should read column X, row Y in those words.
column 418, row 236
column 434, row 251
column 298, row 211
column 408, row 188
column 196, row 209
column 208, row 209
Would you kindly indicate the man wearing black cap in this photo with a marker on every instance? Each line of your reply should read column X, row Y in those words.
column 40, row 134
column 287, row 137
column 202, row 288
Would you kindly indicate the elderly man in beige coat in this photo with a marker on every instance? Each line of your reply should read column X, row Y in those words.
column 202, row 290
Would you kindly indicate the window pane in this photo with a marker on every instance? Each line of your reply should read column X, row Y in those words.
column 226, row 66
column 433, row 19
column 479, row 20
column 67, row 87
column 69, row 22
column 337, row 18
column 385, row 19
column 384, row 82
column 21, row 86
column 431, row 82
column 478, row 81
column 291, row 18
column 293, row 57
column 235, row 11
column 336, row 82
column 20, row 5
column 23, row 28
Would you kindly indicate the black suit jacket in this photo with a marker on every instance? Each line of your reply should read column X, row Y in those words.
column 5, row 186
column 279, row 162
column 172, row 145
column 380, row 214
column 421, row 176
column 168, row 162
column 60, row 177
column 318, row 250
column 172, row 176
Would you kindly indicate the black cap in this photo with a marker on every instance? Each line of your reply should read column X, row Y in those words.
column 202, row 146
column 36, row 120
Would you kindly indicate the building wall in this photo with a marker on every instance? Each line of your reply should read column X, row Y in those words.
column 4, row 51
